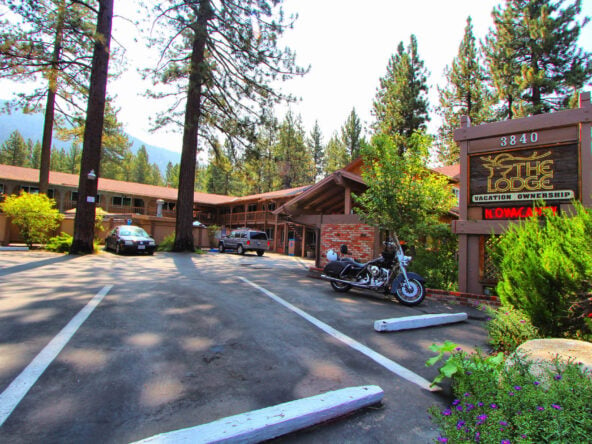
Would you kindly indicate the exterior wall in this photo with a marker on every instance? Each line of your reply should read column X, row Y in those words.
column 359, row 238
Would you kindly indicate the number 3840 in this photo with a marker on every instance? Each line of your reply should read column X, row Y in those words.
column 518, row 139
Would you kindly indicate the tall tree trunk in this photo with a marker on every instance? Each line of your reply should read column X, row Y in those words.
column 45, row 160
column 184, row 221
column 93, row 131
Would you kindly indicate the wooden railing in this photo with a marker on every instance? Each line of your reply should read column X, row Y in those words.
column 248, row 218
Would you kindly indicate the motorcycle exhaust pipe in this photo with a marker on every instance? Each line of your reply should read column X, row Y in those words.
column 353, row 284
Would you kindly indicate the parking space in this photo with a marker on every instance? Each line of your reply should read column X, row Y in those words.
column 181, row 340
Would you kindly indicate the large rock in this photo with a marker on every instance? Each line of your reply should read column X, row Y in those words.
column 544, row 352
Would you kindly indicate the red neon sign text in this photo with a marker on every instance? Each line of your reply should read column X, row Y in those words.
column 516, row 212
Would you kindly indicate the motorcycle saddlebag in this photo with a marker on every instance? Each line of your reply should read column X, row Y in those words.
column 334, row 268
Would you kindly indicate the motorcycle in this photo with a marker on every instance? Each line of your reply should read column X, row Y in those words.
column 387, row 273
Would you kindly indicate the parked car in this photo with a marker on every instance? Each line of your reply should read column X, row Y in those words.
column 245, row 240
column 129, row 238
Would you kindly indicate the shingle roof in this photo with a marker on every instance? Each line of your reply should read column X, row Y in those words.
column 109, row 185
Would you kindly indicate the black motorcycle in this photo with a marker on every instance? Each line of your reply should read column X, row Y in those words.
column 387, row 273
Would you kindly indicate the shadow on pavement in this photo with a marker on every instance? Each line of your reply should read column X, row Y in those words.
column 36, row 264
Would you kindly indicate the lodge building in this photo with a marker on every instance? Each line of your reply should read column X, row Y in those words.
column 302, row 221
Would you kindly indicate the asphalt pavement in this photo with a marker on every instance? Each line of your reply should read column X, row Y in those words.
column 176, row 340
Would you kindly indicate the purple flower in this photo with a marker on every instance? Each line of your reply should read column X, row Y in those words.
column 503, row 423
column 511, row 393
column 477, row 436
column 446, row 412
column 466, row 395
column 493, row 406
column 480, row 404
column 536, row 382
column 460, row 424
column 470, row 407
column 458, row 349
column 481, row 419
column 556, row 406
column 442, row 439
column 540, row 408
column 517, row 388
column 468, row 373
column 459, row 408
column 558, row 377
column 505, row 441
column 456, row 402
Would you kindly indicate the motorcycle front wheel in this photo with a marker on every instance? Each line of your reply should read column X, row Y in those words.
column 410, row 294
column 340, row 287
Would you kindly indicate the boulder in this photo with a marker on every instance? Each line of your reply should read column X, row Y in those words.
column 544, row 352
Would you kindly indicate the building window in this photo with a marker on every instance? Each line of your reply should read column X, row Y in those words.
column 271, row 206
column 168, row 206
column 456, row 193
column 139, row 203
column 120, row 201
column 74, row 196
column 251, row 208
column 1, row 188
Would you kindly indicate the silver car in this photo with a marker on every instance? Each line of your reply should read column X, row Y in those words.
column 245, row 240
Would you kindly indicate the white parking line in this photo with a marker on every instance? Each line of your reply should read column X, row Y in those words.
column 376, row 357
column 18, row 388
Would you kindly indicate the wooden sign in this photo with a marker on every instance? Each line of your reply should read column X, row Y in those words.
column 524, row 176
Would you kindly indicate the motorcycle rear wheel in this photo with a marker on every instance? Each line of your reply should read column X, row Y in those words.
column 340, row 287
column 410, row 294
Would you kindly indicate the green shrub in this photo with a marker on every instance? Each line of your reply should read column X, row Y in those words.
column 59, row 244
column 167, row 243
column 438, row 263
column 544, row 265
column 508, row 328
column 500, row 404
column 34, row 214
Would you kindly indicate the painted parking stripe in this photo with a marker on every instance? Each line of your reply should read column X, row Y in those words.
column 18, row 388
column 389, row 364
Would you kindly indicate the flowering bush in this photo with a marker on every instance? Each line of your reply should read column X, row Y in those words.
column 508, row 328
column 500, row 404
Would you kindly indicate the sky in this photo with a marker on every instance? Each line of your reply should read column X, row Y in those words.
column 347, row 45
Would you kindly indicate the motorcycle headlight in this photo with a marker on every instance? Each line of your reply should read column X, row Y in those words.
column 405, row 260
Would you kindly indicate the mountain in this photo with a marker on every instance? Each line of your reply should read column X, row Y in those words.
column 31, row 127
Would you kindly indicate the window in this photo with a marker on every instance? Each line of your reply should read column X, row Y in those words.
column 121, row 201
column 252, row 207
column 168, row 206
column 271, row 206
column 74, row 197
column 456, row 193
column 269, row 232
column 1, row 188
column 30, row 190
column 139, row 203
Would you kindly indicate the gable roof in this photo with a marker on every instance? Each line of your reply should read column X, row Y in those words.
column 451, row 171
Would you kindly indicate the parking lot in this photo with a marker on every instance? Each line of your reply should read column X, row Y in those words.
column 178, row 340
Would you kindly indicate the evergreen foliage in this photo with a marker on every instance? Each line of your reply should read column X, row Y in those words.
column 351, row 135
column 315, row 143
column 34, row 214
column 335, row 155
column 219, row 60
column 401, row 104
column 465, row 94
column 535, row 64
column 545, row 266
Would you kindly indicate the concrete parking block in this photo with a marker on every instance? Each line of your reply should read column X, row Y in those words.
column 411, row 322
column 271, row 422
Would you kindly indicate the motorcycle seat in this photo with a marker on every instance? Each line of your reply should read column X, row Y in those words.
column 351, row 261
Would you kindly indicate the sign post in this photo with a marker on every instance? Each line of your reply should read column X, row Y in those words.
column 514, row 169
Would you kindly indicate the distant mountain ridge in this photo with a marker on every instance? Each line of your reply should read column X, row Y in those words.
column 31, row 127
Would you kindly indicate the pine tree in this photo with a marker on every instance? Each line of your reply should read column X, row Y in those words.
column 220, row 59
column 295, row 160
column 401, row 103
column 142, row 169
column 532, row 52
column 464, row 95
column 351, row 135
column 336, row 156
column 315, row 143
column 171, row 177
column 50, row 40
column 14, row 150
